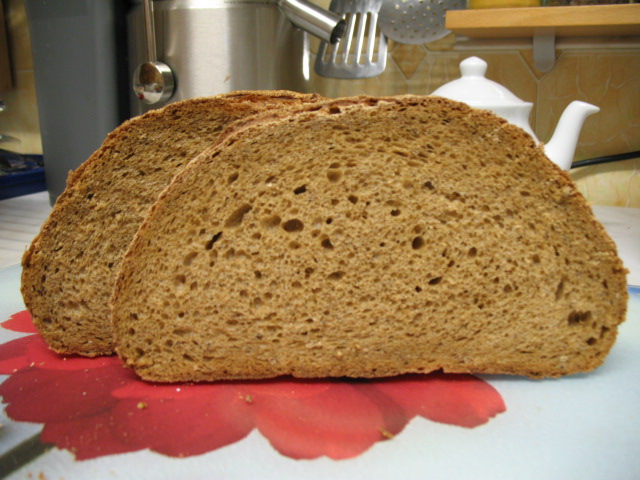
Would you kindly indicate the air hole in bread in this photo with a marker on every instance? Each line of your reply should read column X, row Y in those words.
column 272, row 221
column 559, row 290
column 300, row 189
column 294, row 245
column 257, row 274
column 235, row 219
column 418, row 289
column 329, row 221
column 214, row 239
column 180, row 279
column 308, row 272
column 334, row 175
column 592, row 341
column 428, row 185
column 535, row 258
column 232, row 178
column 326, row 243
column 577, row 317
column 395, row 212
column 181, row 332
column 188, row 259
column 417, row 243
column 334, row 109
column 473, row 251
column 435, row 281
column 336, row 275
column 353, row 199
column 293, row 225
column 455, row 196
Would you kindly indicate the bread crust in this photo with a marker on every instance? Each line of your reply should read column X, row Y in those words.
column 368, row 237
column 70, row 267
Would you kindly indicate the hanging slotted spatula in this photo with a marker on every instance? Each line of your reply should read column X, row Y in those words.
column 416, row 21
column 362, row 51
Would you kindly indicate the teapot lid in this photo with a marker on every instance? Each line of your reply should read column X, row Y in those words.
column 476, row 90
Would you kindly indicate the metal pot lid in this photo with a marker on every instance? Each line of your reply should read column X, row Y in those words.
column 474, row 89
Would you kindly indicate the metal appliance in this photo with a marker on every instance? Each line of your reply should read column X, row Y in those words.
column 217, row 46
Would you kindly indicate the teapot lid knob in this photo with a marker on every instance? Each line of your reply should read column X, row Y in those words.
column 477, row 90
column 473, row 67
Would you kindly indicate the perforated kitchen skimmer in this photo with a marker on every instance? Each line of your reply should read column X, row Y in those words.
column 416, row 21
column 362, row 51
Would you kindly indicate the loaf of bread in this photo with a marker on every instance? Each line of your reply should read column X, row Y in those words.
column 70, row 268
column 369, row 237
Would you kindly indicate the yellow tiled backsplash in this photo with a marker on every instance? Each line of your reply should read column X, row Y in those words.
column 604, row 72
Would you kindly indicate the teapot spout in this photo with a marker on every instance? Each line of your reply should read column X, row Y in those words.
column 561, row 147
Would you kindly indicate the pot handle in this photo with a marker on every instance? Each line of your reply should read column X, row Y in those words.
column 324, row 24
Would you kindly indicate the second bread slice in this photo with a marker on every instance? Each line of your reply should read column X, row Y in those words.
column 70, row 268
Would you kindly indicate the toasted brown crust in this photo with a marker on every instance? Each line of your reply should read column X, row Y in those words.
column 70, row 268
column 369, row 237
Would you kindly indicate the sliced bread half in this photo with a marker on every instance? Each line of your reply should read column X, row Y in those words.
column 369, row 237
column 70, row 268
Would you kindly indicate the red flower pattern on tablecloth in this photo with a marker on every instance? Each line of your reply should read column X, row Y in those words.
column 95, row 407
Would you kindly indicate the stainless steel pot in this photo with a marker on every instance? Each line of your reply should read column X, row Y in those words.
column 216, row 46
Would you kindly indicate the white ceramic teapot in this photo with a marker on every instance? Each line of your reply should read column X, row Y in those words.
column 477, row 91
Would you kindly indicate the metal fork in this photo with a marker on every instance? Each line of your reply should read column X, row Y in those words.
column 362, row 51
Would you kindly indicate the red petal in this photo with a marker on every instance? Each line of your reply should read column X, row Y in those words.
column 20, row 322
column 32, row 351
column 182, row 428
column 338, row 422
column 13, row 356
column 86, row 437
column 67, row 395
column 285, row 387
column 462, row 400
